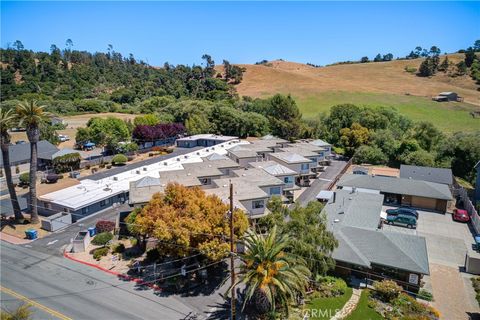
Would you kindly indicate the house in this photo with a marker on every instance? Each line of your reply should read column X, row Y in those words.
column 89, row 196
column 245, row 153
column 281, row 172
column 400, row 191
column 294, row 162
column 477, row 183
column 326, row 147
column 203, row 140
column 315, row 154
column 437, row 175
column 20, row 154
column 57, row 120
column 252, row 189
column 365, row 249
column 447, row 96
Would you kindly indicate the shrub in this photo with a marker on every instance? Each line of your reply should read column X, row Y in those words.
column 67, row 162
column 24, row 178
column 476, row 287
column 105, row 226
column 387, row 290
column 102, row 239
column 425, row 295
column 119, row 159
column 109, row 166
column 118, row 248
column 153, row 255
column 331, row 286
column 410, row 69
column 99, row 253
column 133, row 241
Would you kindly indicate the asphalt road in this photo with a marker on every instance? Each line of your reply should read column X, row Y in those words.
column 321, row 182
column 77, row 291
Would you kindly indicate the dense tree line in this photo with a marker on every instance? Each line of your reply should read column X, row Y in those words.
column 383, row 136
column 79, row 81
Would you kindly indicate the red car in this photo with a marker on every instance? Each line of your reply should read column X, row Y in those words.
column 461, row 215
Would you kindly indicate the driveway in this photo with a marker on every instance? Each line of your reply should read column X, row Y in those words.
column 447, row 242
column 322, row 182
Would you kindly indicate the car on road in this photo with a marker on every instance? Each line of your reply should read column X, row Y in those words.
column 401, row 220
column 460, row 215
column 406, row 211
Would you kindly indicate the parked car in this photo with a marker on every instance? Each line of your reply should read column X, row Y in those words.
column 63, row 137
column 460, row 215
column 406, row 211
column 401, row 220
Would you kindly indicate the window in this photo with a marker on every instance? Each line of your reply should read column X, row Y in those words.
column 102, row 203
column 47, row 205
column 275, row 191
column 85, row 210
column 258, row 204
column 314, row 160
column 305, row 166
column 288, row 179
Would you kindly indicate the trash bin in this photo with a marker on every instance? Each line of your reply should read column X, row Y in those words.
column 92, row 231
column 31, row 234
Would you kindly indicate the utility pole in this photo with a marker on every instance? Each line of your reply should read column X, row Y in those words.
column 232, row 258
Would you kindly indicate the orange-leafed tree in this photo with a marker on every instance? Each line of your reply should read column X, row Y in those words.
column 185, row 220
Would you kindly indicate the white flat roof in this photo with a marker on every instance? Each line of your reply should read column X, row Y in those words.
column 208, row 136
column 92, row 191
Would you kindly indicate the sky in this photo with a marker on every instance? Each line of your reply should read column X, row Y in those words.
column 242, row 32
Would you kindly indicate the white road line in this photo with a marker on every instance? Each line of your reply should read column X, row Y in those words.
column 52, row 242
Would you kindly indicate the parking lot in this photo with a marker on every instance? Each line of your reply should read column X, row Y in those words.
column 447, row 242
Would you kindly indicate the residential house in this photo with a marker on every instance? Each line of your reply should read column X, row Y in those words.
column 283, row 173
column 365, row 249
column 203, row 140
column 477, row 183
column 437, row 175
column 20, row 154
column 294, row 162
column 400, row 191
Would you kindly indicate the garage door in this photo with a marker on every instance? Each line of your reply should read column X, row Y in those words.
column 425, row 203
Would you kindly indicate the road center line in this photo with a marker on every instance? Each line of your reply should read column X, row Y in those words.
column 34, row 303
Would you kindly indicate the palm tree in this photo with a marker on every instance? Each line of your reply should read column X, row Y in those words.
column 32, row 116
column 7, row 121
column 271, row 275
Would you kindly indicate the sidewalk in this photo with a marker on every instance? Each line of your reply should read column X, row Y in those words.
column 13, row 240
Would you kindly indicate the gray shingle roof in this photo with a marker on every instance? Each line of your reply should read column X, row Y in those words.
column 273, row 168
column 397, row 186
column 290, row 157
column 437, row 175
column 21, row 152
column 354, row 218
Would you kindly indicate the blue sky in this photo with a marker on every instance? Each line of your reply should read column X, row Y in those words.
column 243, row 32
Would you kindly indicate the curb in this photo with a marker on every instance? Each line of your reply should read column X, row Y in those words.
column 118, row 274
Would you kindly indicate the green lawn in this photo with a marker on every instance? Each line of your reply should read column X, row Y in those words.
column 325, row 308
column 447, row 116
column 363, row 311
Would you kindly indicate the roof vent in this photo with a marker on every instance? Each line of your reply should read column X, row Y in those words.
column 144, row 168
column 137, row 172
column 336, row 220
column 209, row 165
column 198, row 153
column 213, row 148
column 178, row 159
column 341, row 212
column 115, row 178
column 189, row 174
column 165, row 163
column 186, row 157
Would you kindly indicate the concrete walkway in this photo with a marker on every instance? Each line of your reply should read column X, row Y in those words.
column 349, row 306
column 13, row 240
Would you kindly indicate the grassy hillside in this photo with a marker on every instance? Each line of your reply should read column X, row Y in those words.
column 370, row 84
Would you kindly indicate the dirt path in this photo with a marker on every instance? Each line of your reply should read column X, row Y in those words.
column 450, row 293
